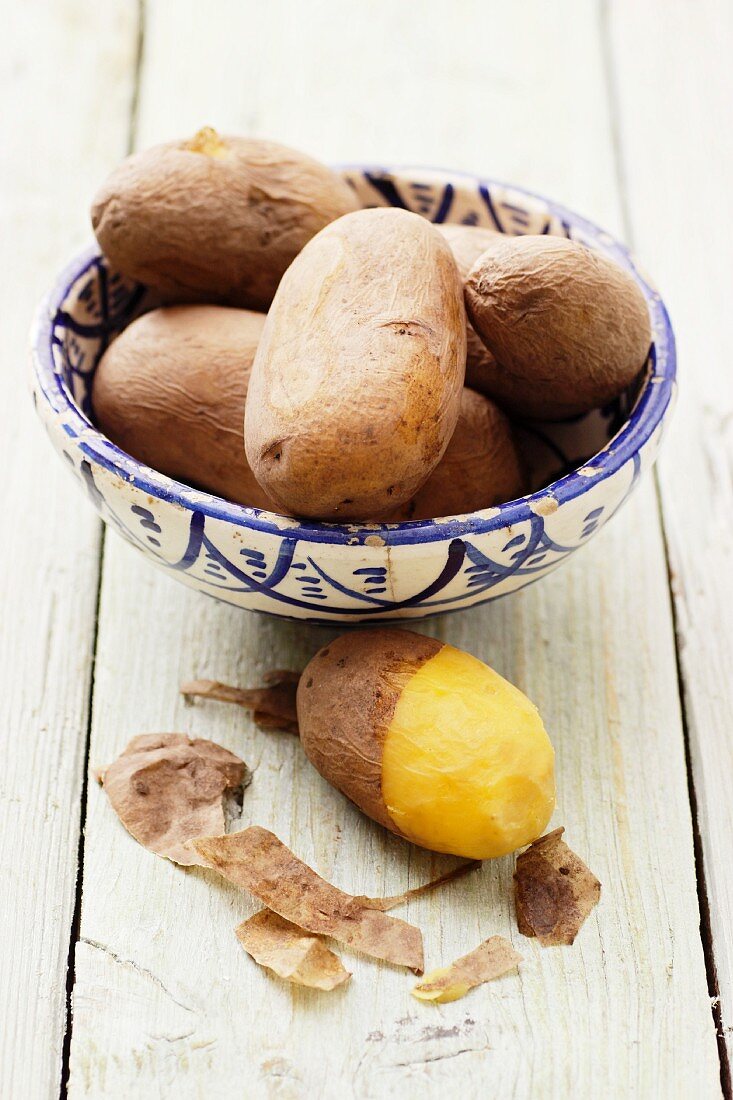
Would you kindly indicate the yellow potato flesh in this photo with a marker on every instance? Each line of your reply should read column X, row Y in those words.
column 452, row 992
column 467, row 766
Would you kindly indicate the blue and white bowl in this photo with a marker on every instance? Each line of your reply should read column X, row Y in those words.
column 355, row 572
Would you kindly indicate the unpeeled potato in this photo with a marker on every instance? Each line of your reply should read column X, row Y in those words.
column 215, row 218
column 568, row 327
column 481, row 466
column 357, row 381
column 468, row 242
column 171, row 390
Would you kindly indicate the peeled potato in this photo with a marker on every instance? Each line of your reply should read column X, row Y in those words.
column 357, row 381
column 171, row 389
column 215, row 218
column 467, row 243
column 428, row 741
column 480, row 468
column 568, row 327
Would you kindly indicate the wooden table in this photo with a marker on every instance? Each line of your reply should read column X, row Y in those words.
column 619, row 109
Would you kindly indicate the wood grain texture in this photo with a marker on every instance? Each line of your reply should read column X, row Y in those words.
column 65, row 85
column 678, row 165
column 165, row 1001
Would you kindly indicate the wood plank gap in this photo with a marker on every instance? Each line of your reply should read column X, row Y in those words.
column 137, row 77
column 706, row 931
column 606, row 50
column 76, row 918
column 706, row 934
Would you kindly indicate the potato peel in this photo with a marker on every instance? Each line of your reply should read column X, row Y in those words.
column 289, row 952
column 168, row 788
column 489, row 960
column 272, row 706
column 258, row 861
column 391, row 902
column 554, row 891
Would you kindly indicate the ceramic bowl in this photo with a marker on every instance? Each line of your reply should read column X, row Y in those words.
column 347, row 573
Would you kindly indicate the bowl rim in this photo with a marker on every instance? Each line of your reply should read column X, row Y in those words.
column 647, row 414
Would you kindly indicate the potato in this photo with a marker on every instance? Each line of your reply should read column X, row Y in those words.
column 170, row 391
column 480, row 468
column 569, row 328
column 215, row 219
column 357, row 381
column 468, row 242
column 428, row 741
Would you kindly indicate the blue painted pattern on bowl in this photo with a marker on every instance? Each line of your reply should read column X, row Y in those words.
column 356, row 572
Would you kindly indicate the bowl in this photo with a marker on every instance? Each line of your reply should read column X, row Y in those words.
column 583, row 469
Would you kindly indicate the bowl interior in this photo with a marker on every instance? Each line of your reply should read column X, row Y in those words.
column 97, row 302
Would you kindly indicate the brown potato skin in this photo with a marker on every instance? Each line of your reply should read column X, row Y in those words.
column 171, row 389
column 480, row 468
column 346, row 699
column 357, row 381
column 467, row 243
column 215, row 219
column 568, row 327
